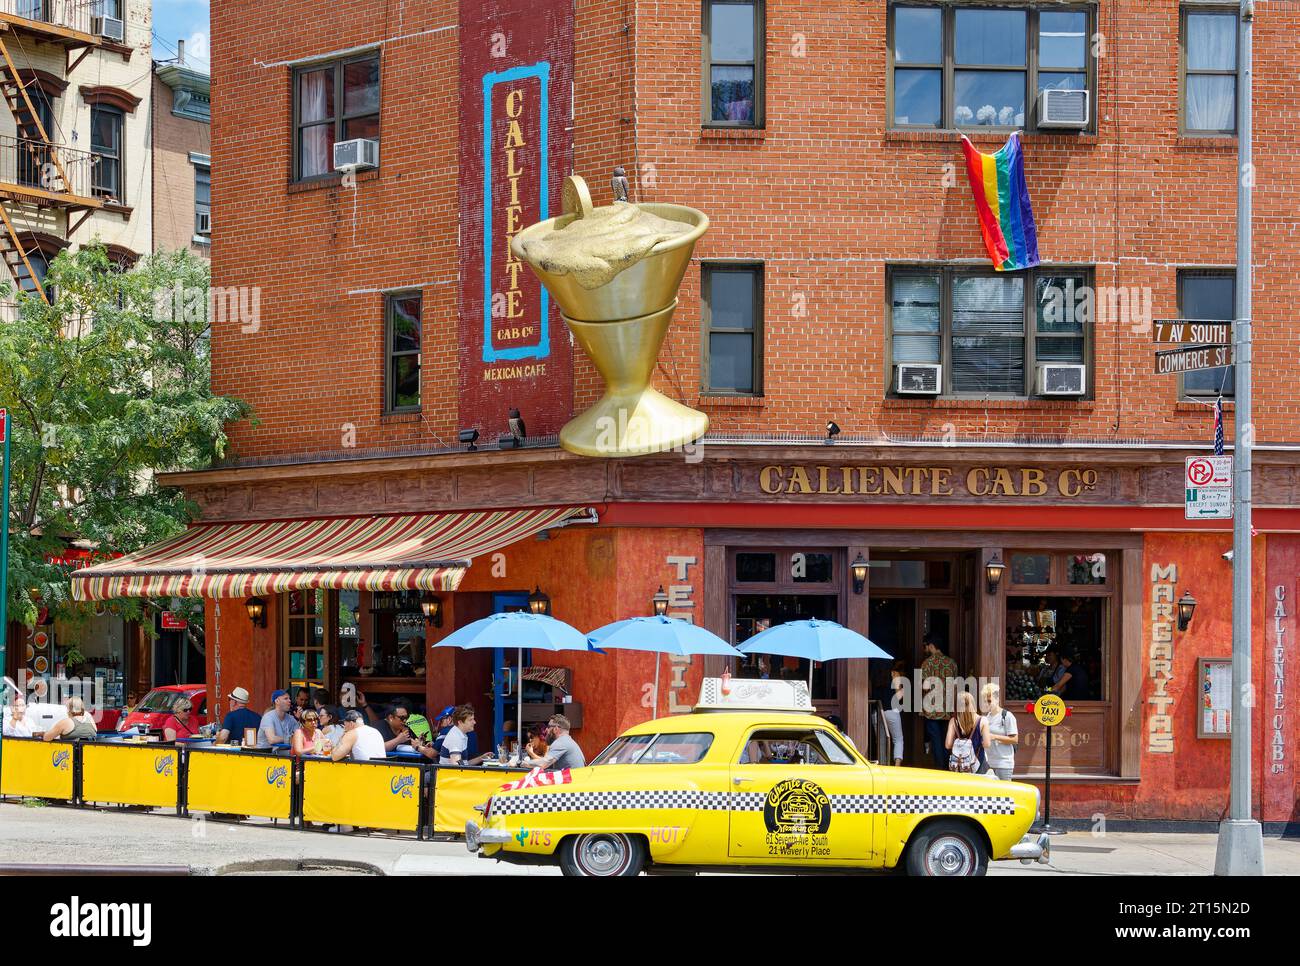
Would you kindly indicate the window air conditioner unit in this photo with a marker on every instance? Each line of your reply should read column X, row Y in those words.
column 359, row 153
column 1057, row 380
column 110, row 28
column 203, row 222
column 915, row 379
column 1058, row 108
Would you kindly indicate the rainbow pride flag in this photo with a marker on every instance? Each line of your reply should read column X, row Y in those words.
column 1002, row 204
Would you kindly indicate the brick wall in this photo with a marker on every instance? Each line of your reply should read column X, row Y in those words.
column 824, row 196
column 174, row 138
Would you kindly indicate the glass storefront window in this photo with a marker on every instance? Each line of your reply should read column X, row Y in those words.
column 811, row 568
column 399, row 642
column 1031, row 568
column 755, row 568
column 907, row 574
column 1086, row 568
column 306, row 612
column 1050, row 637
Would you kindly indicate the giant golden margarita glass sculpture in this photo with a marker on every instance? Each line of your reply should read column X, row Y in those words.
column 614, row 272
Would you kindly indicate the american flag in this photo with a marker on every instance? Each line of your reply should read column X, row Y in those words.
column 540, row 779
column 1218, row 426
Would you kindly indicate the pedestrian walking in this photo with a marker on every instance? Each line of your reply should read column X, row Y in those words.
column 894, row 709
column 938, row 678
column 967, row 736
column 1001, row 732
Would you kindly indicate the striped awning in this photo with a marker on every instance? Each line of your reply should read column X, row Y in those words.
column 422, row 551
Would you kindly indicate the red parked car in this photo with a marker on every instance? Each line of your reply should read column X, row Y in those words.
column 156, row 706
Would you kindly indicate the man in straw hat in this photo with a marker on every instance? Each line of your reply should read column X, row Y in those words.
column 238, row 718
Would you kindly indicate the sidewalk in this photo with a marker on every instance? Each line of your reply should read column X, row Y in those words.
column 58, row 835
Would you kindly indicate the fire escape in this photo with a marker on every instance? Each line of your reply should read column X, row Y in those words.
column 36, row 173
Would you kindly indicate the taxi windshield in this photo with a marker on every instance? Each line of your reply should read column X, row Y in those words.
column 159, row 700
column 664, row 749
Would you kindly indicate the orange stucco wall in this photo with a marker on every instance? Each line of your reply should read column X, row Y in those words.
column 1191, row 782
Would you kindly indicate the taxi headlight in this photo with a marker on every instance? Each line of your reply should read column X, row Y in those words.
column 1038, row 805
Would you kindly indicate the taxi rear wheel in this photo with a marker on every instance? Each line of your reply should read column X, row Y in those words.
column 947, row 848
column 602, row 854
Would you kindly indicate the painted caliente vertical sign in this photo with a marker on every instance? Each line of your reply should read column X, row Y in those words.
column 516, row 146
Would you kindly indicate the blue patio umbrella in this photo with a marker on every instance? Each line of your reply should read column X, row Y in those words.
column 815, row 640
column 517, row 629
column 662, row 635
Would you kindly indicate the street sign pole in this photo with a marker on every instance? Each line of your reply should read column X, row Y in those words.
column 1241, row 842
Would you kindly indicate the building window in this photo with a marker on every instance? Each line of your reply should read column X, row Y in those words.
column 733, row 34
column 989, row 330
column 732, row 311
column 403, row 352
column 34, row 155
column 983, row 67
column 336, row 101
column 1209, row 53
column 203, row 203
column 106, row 141
column 1209, row 296
column 305, row 636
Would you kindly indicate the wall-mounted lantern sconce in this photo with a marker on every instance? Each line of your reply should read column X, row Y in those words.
column 993, row 571
column 859, row 570
column 1186, row 607
column 256, row 608
column 660, row 600
column 432, row 607
column 538, row 602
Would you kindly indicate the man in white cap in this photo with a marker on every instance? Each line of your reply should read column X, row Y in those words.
column 239, row 718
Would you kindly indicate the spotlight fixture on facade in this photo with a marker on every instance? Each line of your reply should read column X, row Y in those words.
column 832, row 430
column 993, row 571
column 256, row 608
column 1186, row 608
column 506, row 441
column 469, row 436
column 859, row 570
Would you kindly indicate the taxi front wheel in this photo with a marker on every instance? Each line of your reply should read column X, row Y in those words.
column 602, row 854
column 947, row 848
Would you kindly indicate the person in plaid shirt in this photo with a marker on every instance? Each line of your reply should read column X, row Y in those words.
column 936, row 671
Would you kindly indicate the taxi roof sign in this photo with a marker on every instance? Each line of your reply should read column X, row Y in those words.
column 759, row 694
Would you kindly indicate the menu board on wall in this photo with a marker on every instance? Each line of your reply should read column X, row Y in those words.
column 1214, row 716
column 516, row 148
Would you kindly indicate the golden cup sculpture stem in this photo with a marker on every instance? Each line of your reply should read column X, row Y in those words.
column 618, row 305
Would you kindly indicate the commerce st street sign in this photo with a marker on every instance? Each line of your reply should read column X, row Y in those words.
column 1185, row 331
column 1192, row 358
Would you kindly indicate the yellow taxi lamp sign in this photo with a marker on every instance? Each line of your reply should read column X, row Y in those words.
column 1049, row 710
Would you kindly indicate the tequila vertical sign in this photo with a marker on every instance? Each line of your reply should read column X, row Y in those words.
column 516, row 79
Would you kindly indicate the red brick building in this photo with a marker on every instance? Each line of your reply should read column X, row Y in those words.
column 823, row 141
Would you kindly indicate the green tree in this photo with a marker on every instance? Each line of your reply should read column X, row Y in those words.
column 106, row 385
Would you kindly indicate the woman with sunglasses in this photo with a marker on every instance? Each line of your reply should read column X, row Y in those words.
column 309, row 739
column 180, row 724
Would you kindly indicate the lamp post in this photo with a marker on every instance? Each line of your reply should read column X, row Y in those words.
column 1241, row 839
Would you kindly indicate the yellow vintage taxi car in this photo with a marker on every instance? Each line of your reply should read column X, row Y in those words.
column 770, row 790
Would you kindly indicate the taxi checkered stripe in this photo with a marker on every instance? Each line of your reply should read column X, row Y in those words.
column 609, row 801
column 745, row 802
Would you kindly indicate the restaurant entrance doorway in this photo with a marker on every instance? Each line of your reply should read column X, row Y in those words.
column 913, row 596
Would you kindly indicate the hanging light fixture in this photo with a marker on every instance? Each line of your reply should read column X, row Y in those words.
column 1186, row 607
column 256, row 608
column 993, row 571
column 859, row 570
column 660, row 601
column 538, row 602
column 432, row 607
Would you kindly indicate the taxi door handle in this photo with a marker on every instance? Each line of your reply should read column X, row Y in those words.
column 737, row 781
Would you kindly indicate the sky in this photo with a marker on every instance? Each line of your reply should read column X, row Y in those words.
column 181, row 20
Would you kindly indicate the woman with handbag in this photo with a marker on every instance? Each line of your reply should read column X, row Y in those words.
column 967, row 737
